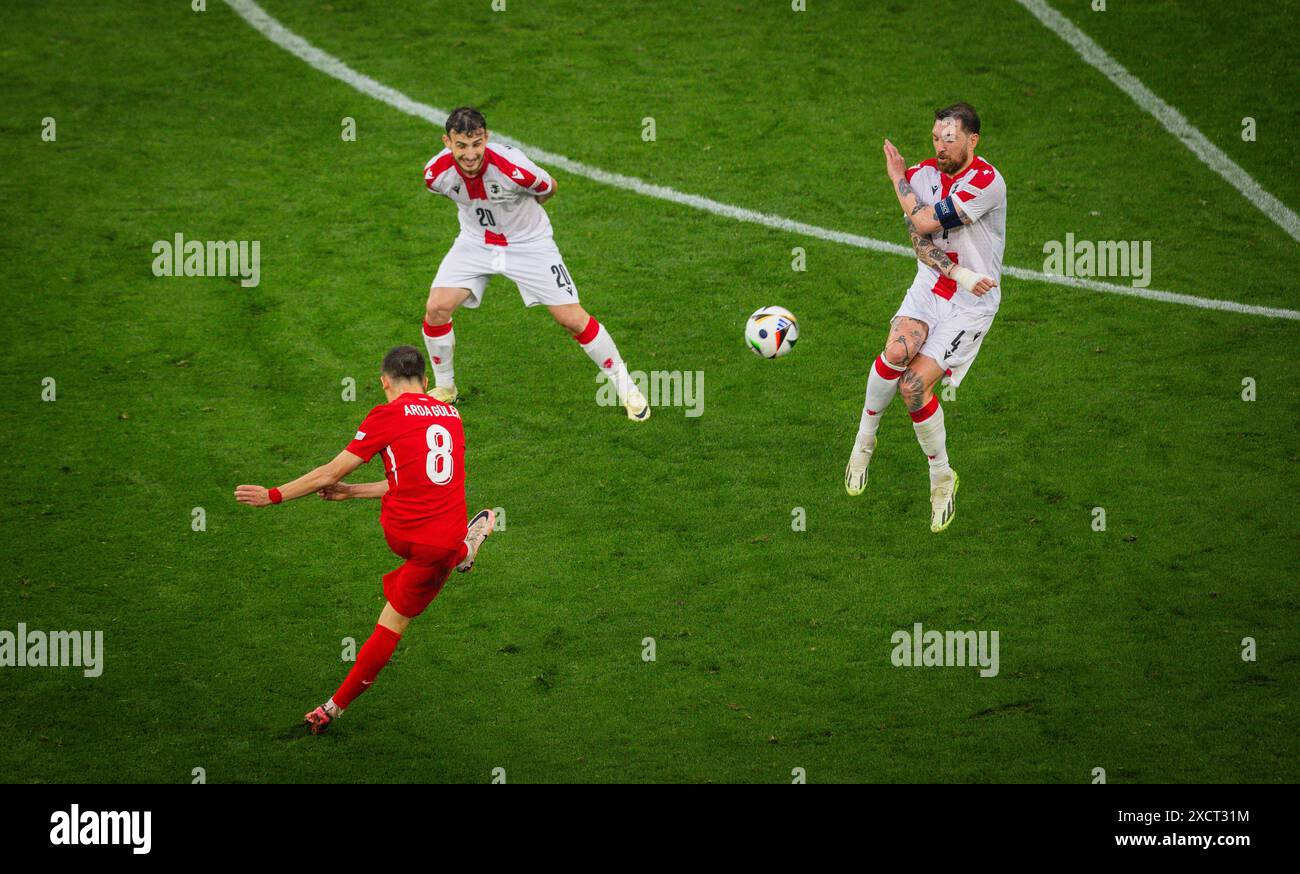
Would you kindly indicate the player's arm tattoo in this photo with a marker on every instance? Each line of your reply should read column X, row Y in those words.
column 905, row 190
column 926, row 250
column 912, row 205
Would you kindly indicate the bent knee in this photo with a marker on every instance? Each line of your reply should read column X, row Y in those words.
column 440, row 306
column 896, row 354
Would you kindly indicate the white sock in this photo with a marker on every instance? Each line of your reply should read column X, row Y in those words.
column 440, row 350
column 600, row 348
column 933, row 437
column 882, row 385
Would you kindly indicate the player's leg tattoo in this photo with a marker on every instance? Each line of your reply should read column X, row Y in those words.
column 918, row 381
column 906, row 337
column 927, row 421
column 913, row 389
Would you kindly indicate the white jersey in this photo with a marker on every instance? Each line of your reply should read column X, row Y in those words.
column 982, row 193
column 498, row 206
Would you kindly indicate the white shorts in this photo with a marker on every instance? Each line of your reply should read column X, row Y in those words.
column 536, row 267
column 955, row 334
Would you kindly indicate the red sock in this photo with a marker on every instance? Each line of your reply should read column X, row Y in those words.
column 374, row 654
column 588, row 333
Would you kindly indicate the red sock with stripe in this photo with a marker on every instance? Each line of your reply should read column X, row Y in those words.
column 882, row 385
column 933, row 437
column 440, row 341
column 374, row 654
column 600, row 348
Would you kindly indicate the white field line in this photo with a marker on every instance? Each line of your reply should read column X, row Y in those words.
column 332, row 66
column 1209, row 154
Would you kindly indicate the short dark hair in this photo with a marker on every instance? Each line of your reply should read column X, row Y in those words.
column 963, row 112
column 404, row 363
column 465, row 120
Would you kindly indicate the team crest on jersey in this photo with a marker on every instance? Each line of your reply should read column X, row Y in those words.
column 494, row 188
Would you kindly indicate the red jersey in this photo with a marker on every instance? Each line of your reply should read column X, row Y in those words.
column 423, row 448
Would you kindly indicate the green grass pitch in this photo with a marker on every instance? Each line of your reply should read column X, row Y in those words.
column 1119, row 649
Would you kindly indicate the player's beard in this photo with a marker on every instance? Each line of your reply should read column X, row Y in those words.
column 952, row 163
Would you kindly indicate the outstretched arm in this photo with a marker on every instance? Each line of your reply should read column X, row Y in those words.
column 344, row 491
column 326, row 475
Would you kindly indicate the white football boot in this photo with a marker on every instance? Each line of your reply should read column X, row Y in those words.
column 638, row 408
column 447, row 395
column 855, row 475
column 942, row 504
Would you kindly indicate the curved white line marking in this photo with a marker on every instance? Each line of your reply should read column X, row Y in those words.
column 330, row 65
column 1209, row 154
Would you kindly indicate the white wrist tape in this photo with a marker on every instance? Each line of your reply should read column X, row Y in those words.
column 966, row 278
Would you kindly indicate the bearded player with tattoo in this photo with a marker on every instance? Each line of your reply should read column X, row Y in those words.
column 955, row 209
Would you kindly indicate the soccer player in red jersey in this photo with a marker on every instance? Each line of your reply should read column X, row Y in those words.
column 423, row 509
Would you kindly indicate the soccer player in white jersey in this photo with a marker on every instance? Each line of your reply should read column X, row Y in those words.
column 504, row 230
column 955, row 207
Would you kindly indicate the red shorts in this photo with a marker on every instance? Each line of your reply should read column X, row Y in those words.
column 418, row 581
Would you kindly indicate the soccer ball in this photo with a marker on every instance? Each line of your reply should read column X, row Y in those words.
column 771, row 332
